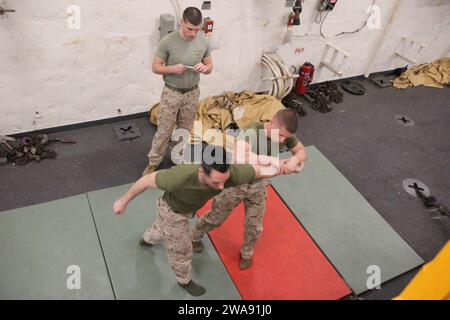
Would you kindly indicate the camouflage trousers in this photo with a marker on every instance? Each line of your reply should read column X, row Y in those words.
column 174, row 229
column 254, row 196
column 176, row 110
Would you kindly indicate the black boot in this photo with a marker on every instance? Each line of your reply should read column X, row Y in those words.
column 193, row 288
column 197, row 246
column 145, row 244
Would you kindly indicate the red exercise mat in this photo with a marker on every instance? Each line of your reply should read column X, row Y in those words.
column 287, row 264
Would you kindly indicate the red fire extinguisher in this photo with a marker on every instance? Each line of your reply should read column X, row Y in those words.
column 305, row 78
column 208, row 25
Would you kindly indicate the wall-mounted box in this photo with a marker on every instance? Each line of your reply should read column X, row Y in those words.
column 166, row 24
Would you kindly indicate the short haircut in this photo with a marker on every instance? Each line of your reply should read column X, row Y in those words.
column 215, row 158
column 288, row 119
column 192, row 15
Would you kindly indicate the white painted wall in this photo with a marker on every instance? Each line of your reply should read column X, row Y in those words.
column 70, row 76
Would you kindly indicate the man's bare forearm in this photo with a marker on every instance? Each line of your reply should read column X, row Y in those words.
column 160, row 69
column 299, row 154
column 208, row 62
column 148, row 181
column 210, row 67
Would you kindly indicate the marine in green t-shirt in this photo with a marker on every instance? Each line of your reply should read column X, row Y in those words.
column 174, row 49
column 180, row 58
column 269, row 138
column 264, row 139
column 186, row 193
column 187, row 187
column 256, row 135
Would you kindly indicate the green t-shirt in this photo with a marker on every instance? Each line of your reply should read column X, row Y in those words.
column 173, row 49
column 183, row 191
column 255, row 135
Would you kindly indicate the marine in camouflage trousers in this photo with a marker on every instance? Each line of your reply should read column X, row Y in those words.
column 254, row 196
column 174, row 229
column 176, row 110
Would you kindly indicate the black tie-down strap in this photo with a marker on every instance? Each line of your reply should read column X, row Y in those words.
column 430, row 202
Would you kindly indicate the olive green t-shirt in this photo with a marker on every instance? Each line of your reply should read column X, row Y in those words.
column 173, row 49
column 255, row 135
column 183, row 191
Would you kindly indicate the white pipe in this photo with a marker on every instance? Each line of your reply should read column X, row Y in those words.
column 287, row 73
column 280, row 70
column 282, row 76
column 263, row 61
column 279, row 88
column 281, row 84
column 275, row 84
column 285, row 77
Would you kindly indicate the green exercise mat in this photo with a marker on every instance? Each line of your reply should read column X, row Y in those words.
column 144, row 273
column 49, row 250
